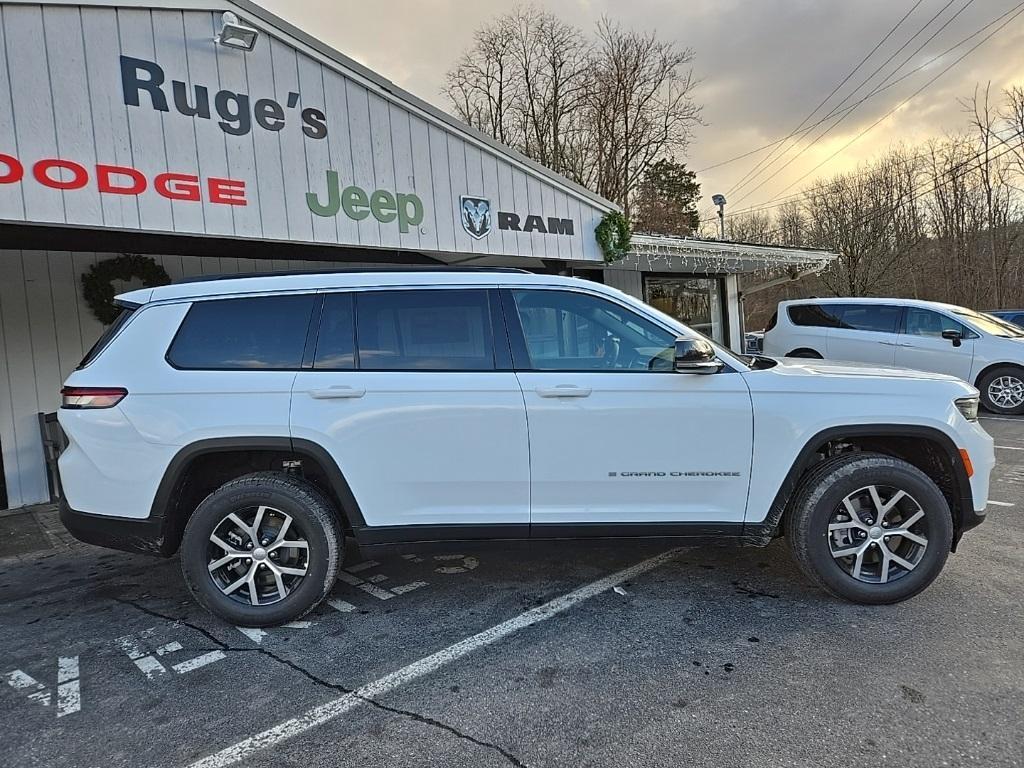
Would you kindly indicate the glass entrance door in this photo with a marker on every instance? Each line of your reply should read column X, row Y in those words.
column 695, row 301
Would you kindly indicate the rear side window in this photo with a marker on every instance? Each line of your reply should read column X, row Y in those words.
column 261, row 333
column 814, row 315
column 772, row 321
column 107, row 336
column 880, row 318
column 424, row 330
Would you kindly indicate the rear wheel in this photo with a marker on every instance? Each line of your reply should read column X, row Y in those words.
column 870, row 528
column 1002, row 390
column 262, row 550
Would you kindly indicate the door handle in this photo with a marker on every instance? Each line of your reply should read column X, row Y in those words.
column 904, row 344
column 564, row 390
column 336, row 393
column 889, row 343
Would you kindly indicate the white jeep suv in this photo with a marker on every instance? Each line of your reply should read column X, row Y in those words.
column 907, row 333
column 252, row 423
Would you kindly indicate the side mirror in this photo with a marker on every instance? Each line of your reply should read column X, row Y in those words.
column 696, row 356
column 954, row 336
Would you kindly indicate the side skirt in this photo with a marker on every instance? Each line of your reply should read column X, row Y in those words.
column 440, row 537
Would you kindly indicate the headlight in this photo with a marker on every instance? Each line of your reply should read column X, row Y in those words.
column 968, row 406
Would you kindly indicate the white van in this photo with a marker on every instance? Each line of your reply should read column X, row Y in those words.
column 907, row 333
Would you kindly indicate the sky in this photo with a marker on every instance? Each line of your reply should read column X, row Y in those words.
column 763, row 65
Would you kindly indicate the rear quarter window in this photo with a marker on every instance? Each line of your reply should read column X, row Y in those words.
column 104, row 340
column 251, row 333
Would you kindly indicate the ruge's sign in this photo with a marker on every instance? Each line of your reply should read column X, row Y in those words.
column 134, row 119
column 235, row 110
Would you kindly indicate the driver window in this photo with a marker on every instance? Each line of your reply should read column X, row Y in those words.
column 925, row 322
column 567, row 331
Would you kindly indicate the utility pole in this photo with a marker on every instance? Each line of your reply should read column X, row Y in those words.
column 719, row 200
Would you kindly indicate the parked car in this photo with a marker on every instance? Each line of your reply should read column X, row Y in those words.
column 907, row 333
column 254, row 422
column 753, row 342
column 1015, row 316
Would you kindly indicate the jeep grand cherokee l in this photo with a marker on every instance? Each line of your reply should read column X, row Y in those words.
column 253, row 423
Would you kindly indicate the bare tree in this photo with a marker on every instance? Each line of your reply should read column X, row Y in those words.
column 600, row 111
column 641, row 106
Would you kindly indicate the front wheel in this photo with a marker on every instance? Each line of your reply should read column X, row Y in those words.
column 262, row 550
column 870, row 528
column 1002, row 390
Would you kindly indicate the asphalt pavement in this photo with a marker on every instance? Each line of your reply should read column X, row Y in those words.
column 539, row 655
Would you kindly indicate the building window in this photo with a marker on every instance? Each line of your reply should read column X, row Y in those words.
column 697, row 302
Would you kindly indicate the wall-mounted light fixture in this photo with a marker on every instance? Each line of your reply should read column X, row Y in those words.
column 234, row 34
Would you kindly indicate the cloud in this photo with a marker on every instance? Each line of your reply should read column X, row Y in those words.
column 763, row 65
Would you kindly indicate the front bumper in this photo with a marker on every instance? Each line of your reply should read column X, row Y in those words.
column 145, row 535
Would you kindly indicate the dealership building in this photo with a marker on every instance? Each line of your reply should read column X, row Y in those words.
column 197, row 138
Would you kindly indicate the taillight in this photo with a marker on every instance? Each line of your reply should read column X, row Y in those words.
column 92, row 397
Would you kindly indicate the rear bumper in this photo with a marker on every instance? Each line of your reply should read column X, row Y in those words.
column 128, row 534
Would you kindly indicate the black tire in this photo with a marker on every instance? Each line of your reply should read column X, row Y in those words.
column 1005, row 372
column 807, row 353
column 313, row 517
column 820, row 496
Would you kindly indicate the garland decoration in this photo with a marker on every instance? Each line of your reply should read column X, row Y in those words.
column 97, row 284
column 613, row 236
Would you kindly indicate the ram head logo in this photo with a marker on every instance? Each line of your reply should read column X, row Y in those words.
column 476, row 215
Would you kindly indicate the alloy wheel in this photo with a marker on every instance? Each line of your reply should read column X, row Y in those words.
column 1006, row 392
column 878, row 534
column 258, row 555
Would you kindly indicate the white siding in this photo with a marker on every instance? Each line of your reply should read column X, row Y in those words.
column 60, row 74
column 45, row 330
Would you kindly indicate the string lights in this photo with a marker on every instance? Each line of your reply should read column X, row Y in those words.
column 653, row 253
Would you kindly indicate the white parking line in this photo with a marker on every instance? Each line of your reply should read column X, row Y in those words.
column 1000, row 503
column 1009, row 448
column 199, row 661
column 328, row 711
column 1001, row 418
column 380, row 594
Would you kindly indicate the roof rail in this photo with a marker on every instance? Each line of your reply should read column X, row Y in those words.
column 347, row 271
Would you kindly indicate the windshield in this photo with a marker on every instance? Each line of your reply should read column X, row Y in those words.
column 990, row 324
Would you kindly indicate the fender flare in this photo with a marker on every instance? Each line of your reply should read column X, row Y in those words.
column 162, row 508
column 761, row 533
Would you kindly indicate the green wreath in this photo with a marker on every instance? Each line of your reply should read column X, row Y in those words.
column 613, row 235
column 97, row 283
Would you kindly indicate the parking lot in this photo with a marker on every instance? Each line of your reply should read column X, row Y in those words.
column 554, row 654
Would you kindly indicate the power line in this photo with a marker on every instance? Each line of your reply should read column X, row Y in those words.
column 1019, row 9
column 832, row 93
column 778, row 202
column 875, row 92
column 946, row 176
column 864, row 82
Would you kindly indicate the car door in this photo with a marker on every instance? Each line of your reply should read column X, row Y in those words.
column 864, row 333
column 412, row 393
column 617, row 437
column 922, row 347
